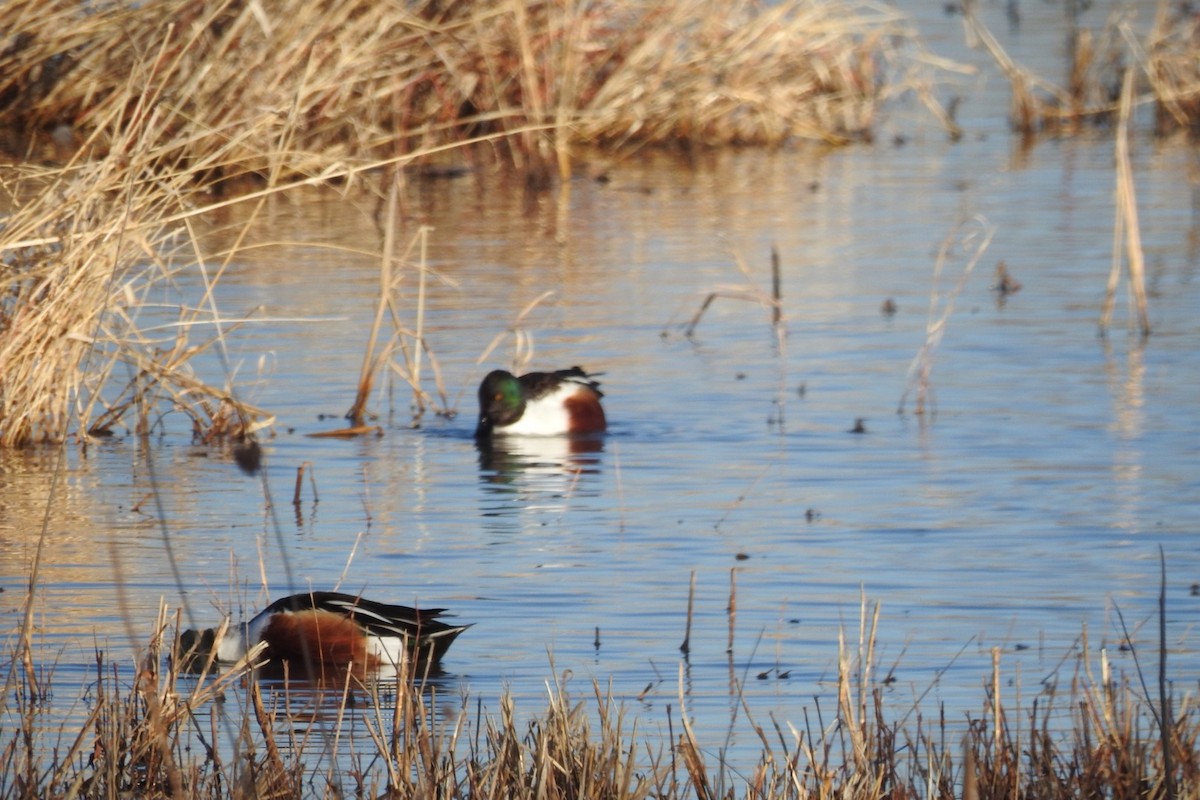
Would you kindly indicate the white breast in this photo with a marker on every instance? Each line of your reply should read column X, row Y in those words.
column 389, row 650
column 234, row 643
column 546, row 416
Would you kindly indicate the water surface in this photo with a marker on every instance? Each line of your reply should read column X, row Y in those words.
column 1031, row 506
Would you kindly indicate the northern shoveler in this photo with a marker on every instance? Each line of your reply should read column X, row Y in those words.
column 331, row 631
column 540, row 403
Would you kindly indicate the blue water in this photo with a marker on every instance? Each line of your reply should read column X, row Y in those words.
column 1029, row 504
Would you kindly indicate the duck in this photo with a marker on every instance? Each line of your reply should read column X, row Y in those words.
column 330, row 631
column 566, row 401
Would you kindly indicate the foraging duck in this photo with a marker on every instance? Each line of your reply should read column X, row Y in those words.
column 540, row 403
column 331, row 630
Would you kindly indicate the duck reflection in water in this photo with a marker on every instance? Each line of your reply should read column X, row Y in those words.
column 509, row 460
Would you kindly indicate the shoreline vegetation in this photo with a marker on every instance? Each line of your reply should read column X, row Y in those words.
column 150, row 731
column 155, row 115
column 129, row 122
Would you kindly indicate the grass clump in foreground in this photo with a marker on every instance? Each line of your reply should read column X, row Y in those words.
column 153, row 733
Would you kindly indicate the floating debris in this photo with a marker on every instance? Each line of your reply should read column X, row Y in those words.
column 1005, row 283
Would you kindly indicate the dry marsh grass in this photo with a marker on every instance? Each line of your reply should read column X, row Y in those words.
column 294, row 88
column 1172, row 69
column 85, row 341
column 152, row 114
column 1163, row 61
column 148, row 731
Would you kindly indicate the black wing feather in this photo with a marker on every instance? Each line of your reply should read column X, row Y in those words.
column 380, row 619
column 539, row 384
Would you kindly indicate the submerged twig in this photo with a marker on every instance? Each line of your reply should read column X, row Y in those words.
column 749, row 293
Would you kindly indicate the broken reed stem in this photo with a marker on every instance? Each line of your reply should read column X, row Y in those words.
column 997, row 725
column 1166, row 723
column 371, row 361
column 1126, row 223
column 422, row 278
column 1026, row 111
column 920, row 370
column 299, row 483
column 776, row 287
column 691, row 327
column 731, row 611
column 687, row 632
column 750, row 293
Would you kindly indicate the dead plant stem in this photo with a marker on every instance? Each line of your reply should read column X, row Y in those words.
column 1127, row 222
